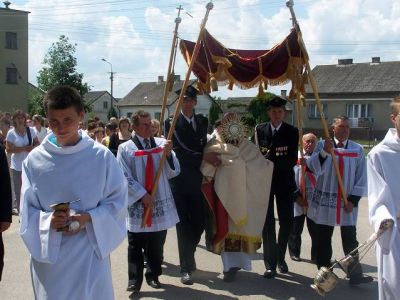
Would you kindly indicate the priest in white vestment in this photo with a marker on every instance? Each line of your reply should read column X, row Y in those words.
column 70, row 248
column 236, row 193
column 140, row 158
column 327, row 208
column 384, row 203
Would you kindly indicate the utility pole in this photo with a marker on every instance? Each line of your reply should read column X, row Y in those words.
column 112, row 80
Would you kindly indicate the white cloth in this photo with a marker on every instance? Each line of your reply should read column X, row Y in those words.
column 72, row 266
column 18, row 141
column 298, row 209
column 164, row 214
column 236, row 260
column 384, row 203
column 41, row 134
column 322, row 209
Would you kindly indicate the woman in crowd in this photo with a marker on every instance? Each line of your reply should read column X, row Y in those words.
column 20, row 141
column 38, row 126
column 122, row 136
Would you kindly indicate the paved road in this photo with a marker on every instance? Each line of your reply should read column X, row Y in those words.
column 208, row 279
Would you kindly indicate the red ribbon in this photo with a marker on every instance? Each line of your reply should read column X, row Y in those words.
column 312, row 179
column 340, row 155
column 149, row 179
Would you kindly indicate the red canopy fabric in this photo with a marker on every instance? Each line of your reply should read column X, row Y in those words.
column 244, row 68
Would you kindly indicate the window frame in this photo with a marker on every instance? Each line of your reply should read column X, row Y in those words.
column 11, row 40
column 11, row 75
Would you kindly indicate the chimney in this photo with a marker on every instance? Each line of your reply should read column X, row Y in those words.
column 160, row 79
column 376, row 60
column 177, row 78
column 7, row 4
column 346, row 61
column 283, row 93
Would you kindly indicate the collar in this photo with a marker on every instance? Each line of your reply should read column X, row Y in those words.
column 188, row 119
column 344, row 142
column 277, row 127
column 141, row 140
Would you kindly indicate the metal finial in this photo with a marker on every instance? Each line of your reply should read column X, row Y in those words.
column 210, row 6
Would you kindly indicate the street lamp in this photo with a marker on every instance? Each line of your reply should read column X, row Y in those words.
column 111, row 79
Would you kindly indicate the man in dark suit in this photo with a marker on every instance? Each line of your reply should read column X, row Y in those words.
column 5, row 202
column 189, row 140
column 278, row 142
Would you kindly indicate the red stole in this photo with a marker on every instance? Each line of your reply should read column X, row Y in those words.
column 302, row 187
column 341, row 156
column 149, row 178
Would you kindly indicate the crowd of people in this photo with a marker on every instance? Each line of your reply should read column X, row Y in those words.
column 144, row 185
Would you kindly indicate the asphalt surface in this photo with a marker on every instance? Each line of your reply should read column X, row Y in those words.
column 16, row 283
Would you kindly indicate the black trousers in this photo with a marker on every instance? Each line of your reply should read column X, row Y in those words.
column 275, row 252
column 294, row 243
column 324, row 246
column 191, row 211
column 1, row 255
column 153, row 244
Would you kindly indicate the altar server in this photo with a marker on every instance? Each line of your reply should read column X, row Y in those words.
column 140, row 159
column 384, row 203
column 70, row 248
column 327, row 208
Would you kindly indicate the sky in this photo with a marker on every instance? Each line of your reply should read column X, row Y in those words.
column 135, row 36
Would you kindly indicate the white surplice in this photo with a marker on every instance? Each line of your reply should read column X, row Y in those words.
column 72, row 266
column 164, row 214
column 309, row 187
column 322, row 209
column 384, row 203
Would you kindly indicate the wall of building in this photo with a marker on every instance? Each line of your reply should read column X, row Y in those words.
column 14, row 96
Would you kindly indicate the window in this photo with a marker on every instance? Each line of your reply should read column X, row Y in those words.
column 157, row 115
column 358, row 110
column 11, row 40
column 105, row 105
column 313, row 112
column 11, row 76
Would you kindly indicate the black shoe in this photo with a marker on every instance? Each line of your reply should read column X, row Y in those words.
column 282, row 267
column 154, row 283
column 186, row 278
column 360, row 279
column 133, row 288
column 231, row 274
column 269, row 273
column 295, row 258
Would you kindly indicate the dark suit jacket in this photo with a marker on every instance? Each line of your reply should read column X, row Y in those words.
column 5, row 188
column 281, row 149
column 5, row 199
column 188, row 146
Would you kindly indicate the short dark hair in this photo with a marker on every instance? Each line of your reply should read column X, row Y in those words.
column 339, row 118
column 111, row 126
column 139, row 114
column 62, row 97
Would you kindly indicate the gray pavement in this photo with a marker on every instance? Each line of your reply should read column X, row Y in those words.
column 16, row 282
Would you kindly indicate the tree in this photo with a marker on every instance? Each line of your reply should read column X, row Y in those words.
column 60, row 68
column 214, row 112
column 258, row 109
column 112, row 112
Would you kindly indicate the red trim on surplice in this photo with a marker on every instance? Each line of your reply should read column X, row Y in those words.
column 149, row 179
column 340, row 155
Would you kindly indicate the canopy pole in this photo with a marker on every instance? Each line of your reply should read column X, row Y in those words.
column 171, row 62
column 290, row 5
column 195, row 53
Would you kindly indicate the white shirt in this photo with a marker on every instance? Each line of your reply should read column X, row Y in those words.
column 19, row 141
column 190, row 120
column 41, row 134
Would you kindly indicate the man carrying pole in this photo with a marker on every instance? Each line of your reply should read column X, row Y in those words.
column 189, row 139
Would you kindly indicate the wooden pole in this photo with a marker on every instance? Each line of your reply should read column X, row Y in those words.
column 303, row 173
column 168, row 78
column 195, row 53
column 290, row 4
